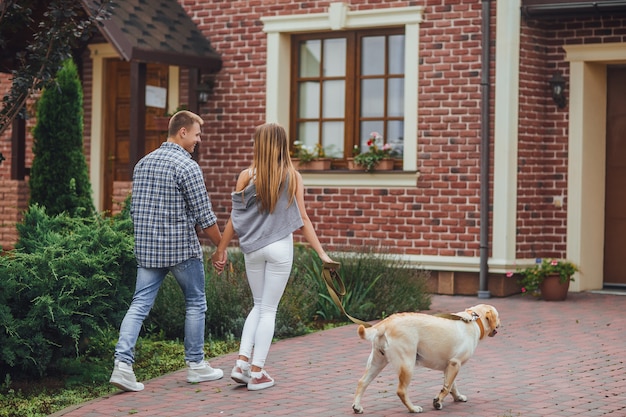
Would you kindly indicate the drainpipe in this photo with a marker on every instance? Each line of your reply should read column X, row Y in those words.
column 483, row 287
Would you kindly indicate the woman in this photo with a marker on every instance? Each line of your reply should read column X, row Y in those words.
column 268, row 206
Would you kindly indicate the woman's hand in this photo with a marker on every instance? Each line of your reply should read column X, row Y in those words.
column 219, row 259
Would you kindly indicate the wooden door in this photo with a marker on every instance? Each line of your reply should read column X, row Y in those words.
column 615, row 203
column 117, row 122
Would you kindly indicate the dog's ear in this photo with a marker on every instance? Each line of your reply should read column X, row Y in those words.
column 492, row 318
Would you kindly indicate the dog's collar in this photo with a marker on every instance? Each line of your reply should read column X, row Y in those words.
column 479, row 322
column 481, row 327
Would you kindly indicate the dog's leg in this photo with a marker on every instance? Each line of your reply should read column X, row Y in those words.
column 449, row 375
column 376, row 362
column 456, row 394
column 405, row 372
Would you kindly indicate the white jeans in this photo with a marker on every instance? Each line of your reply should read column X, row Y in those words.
column 268, row 271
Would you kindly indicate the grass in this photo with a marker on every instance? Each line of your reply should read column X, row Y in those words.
column 78, row 380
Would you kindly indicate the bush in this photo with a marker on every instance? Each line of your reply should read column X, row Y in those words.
column 59, row 178
column 377, row 284
column 67, row 279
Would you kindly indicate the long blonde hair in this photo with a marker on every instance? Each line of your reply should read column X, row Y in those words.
column 272, row 165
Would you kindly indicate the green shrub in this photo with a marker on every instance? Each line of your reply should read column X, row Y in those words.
column 59, row 178
column 67, row 279
column 377, row 284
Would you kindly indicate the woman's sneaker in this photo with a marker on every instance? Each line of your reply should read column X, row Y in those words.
column 241, row 372
column 202, row 371
column 260, row 380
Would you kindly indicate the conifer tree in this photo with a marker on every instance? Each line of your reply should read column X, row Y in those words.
column 59, row 179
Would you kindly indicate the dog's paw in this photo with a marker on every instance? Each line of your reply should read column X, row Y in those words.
column 416, row 409
column 461, row 398
column 357, row 409
column 438, row 405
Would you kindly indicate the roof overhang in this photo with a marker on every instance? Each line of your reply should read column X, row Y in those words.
column 157, row 32
column 553, row 9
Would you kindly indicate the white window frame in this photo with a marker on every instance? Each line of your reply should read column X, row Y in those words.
column 339, row 17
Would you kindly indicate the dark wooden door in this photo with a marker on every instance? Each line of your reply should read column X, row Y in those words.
column 117, row 122
column 615, row 203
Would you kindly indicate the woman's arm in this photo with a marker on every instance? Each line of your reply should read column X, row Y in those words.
column 307, row 230
column 220, row 257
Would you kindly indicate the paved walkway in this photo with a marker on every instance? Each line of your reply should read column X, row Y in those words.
column 548, row 359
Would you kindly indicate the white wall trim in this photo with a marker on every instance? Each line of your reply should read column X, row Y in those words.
column 98, row 53
column 506, row 128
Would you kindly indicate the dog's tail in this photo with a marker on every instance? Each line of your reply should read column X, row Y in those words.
column 378, row 339
column 368, row 333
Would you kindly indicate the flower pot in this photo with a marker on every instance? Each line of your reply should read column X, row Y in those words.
column 314, row 165
column 383, row 165
column 552, row 289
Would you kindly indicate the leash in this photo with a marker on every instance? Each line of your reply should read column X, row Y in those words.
column 330, row 276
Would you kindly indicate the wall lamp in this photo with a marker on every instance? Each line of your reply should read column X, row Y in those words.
column 205, row 88
column 557, row 86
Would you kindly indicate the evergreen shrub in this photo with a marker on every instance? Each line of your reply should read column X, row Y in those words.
column 67, row 280
column 59, row 177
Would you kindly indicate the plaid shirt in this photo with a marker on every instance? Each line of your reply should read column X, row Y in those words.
column 169, row 198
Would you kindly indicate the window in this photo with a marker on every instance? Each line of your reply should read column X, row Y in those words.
column 337, row 23
column 345, row 86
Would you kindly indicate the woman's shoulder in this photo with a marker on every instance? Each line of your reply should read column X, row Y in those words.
column 244, row 179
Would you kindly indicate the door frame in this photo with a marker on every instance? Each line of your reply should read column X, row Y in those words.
column 97, row 159
column 587, row 158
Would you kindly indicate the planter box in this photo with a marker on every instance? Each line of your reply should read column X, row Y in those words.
column 314, row 165
column 383, row 165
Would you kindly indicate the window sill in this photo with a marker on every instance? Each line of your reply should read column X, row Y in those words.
column 361, row 179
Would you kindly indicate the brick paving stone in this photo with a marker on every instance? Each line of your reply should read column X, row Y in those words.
column 548, row 359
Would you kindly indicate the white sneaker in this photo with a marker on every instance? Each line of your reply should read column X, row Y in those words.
column 260, row 380
column 202, row 372
column 241, row 372
column 123, row 377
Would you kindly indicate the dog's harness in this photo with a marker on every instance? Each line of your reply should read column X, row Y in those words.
column 475, row 318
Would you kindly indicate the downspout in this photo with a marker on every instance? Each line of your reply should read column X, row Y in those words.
column 483, row 285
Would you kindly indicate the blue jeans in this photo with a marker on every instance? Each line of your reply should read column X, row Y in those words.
column 190, row 277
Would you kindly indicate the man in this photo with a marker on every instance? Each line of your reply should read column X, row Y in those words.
column 169, row 206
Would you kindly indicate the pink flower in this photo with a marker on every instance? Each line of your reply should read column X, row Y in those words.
column 523, row 289
column 509, row 274
column 554, row 262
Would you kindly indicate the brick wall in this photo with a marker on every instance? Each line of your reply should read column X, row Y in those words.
column 438, row 217
column 14, row 200
column 543, row 128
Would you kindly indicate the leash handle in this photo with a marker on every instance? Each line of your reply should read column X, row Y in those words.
column 330, row 276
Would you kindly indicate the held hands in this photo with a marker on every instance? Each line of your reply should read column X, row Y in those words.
column 219, row 259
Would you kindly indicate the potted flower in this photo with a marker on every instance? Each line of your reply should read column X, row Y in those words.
column 309, row 157
column 548, row 277
column 377, row 153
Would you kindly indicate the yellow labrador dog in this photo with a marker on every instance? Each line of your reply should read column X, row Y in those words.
column 440, row 342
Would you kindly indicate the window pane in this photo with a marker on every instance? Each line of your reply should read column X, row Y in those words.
column 395, row 137
column 372, row 98
column 334, row 99
column 310, row 55
column 308, row 134
column 334, row 58
column 396, row 54
column 373, row 55
column 332, row 139
column 309, row 100
column 395, row 97
column 366, row 129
